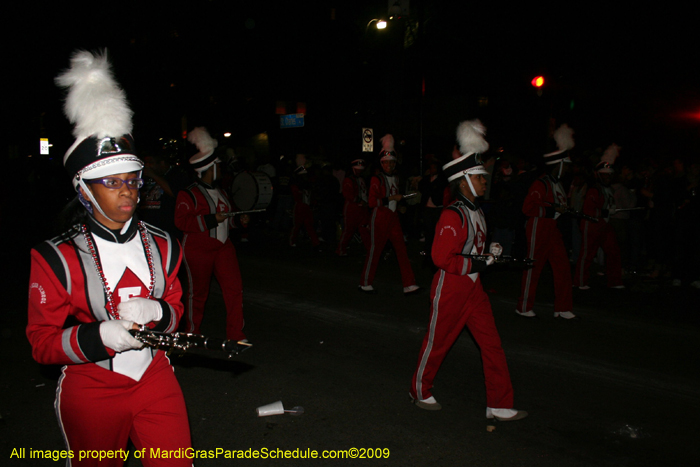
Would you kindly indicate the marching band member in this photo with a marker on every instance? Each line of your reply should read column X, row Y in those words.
column 356, row 210
column 544, row 203
column 300, row 186
column 201, row 214
column 457, row 296
column 385, row 225
column 600, row 203
column 103, row 277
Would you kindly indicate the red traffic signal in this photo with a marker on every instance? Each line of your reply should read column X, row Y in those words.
column 538, row 81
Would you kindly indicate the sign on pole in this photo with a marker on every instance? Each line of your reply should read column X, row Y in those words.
column 367, row 140
column 44, row 146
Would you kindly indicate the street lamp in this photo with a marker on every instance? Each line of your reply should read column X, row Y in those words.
column 381, row 24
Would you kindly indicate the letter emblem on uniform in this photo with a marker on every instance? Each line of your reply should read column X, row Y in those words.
column 125, row 293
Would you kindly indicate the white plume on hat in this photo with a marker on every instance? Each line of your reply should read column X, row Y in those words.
column 387, row 143
column 611, row 153
column 470, row 136
column 95, row 104
column 201, row 138
column 101, row 118
column 564, row 137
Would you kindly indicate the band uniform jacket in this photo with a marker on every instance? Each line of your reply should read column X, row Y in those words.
column 195, row 214
column 67, row 301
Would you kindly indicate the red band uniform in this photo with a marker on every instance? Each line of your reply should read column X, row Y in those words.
column 545, row 244
column 594, row 235
column 133, row 390
column 303, row 214
column 458, row 300
column 208, row 250
column 385, row 225
column 355, row 212
column 93, row 284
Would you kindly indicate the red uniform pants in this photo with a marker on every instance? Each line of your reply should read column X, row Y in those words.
column 544, row 244
column 385, row 225
column 596, row 235
column 457, row 302
column 98, row 409
column 303, row 216
column 356, row 219
column 202, row 259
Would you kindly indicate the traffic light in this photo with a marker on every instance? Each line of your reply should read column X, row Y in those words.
column 538, row 81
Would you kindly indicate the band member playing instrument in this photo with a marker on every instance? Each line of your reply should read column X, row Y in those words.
column 356, row 210
column 600, row 204
column 300, row 186
column 106, row 275
column 385, row 225
column 457, row 297
column 544, row 203
column 202, row 214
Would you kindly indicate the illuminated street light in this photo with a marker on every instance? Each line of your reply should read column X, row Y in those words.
column 381, row 24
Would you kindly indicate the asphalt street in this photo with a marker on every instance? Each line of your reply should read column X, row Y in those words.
column 619, row 387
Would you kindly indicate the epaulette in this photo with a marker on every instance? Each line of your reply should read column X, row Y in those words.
column 456, row 208
column 56, row 261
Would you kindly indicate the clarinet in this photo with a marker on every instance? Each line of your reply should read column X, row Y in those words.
column 185, row 341
column 238, row 213
column 501, row 259
column 573, row 212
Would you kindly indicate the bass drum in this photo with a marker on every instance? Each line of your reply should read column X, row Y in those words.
column 251, row 190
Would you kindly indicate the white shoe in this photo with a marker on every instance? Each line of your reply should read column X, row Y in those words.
column 695, row 284
column 366, row 289
column 428, row 404
column 622, row 286
column 527, row 314
column 676, row 283
column 505, row 415
column 565, row 315
column 410, row 289
column 584, row 287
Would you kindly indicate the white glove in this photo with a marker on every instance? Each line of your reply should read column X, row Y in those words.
column 490, row 260
column 140, row 310
column 496, row 249
column 115, row 335
column 612, row 211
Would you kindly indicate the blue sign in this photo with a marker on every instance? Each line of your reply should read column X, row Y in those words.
column 292, row 121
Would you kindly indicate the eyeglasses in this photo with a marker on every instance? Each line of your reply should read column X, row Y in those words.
column 115, row 183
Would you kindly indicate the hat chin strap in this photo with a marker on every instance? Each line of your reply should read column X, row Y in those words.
column 92, row 199
column 471, row 187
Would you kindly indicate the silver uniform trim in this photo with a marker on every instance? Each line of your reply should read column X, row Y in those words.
column 431, row 336
column 57, row 408
column 69, row 285
column 67, row 348
column 371, row 248
column 531, row 254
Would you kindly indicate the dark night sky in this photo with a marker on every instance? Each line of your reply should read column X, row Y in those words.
column 630, row 73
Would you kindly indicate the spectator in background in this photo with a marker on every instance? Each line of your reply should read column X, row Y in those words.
column 163, row 182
